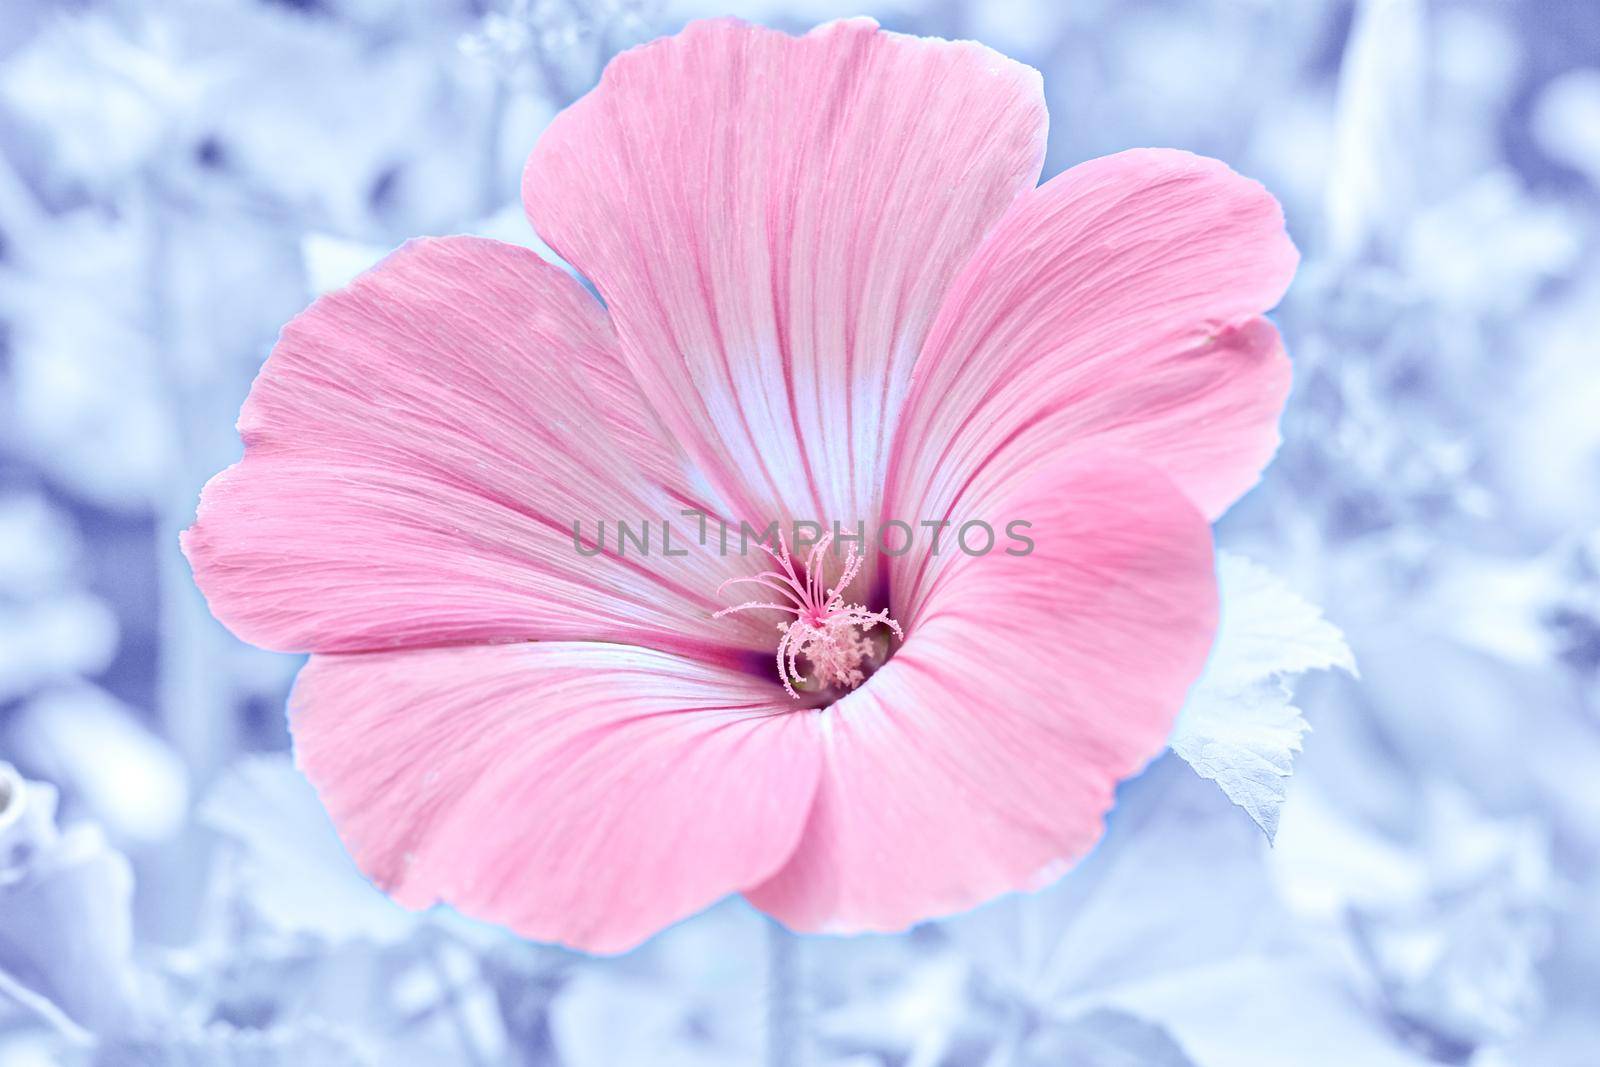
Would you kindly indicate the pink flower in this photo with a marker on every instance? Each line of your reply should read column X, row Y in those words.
column 832, row 291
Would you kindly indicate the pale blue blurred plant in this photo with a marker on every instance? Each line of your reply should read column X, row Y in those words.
column 178, row 179
column 66, row 931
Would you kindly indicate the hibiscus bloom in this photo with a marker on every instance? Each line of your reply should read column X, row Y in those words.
column 831, row 290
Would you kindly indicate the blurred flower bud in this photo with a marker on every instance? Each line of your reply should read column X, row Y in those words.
column 65, row 925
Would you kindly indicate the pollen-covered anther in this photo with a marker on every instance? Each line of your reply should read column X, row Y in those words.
column 832, row 636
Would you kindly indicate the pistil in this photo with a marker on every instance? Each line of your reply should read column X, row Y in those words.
column 830, row 634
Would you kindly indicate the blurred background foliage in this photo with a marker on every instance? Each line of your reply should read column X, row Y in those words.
column 179, row 177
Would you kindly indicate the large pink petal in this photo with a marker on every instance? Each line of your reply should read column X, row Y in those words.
column 1115, row 306
column 417, row 449
column 772, row 221
column 582, row 793
column 982, row 757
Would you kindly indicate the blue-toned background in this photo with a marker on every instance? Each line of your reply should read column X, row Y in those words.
column 179, row 177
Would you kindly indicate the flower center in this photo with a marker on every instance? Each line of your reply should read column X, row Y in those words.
column 830, row 638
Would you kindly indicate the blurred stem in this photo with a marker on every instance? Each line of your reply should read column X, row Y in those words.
column 44, row 1011
column 785, row 1015
column 492, row 195
column 20, row 214
column 193, row 692
column 1013, row 1031
column 454, row 1005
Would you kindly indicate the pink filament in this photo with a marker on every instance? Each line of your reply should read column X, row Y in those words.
column 828, row 632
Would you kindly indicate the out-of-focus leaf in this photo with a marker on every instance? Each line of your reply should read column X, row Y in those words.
column 129, row 779
column 1491, row 246
column 1458, row 965
column 55, row 639
column 296, row 873
column 900, row 1003
column 1178, row 881
column 695, row 995
column 1452, row 919
column 1279, row 1009
column 1375, row 179
column 86, row 378
column 1566, row 119
column 298, row 1045
column 1239, row 727
column 1462, row 971
column 40, row 550
column 108, row 93
column 66, row 925
column 1104, row 1038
